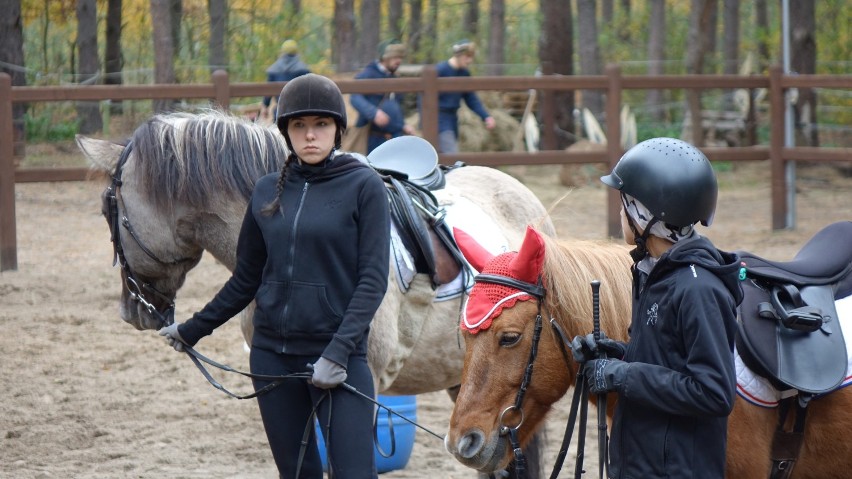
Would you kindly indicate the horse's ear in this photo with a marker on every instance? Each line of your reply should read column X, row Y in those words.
column 473, row 252
column 527, row 264
column 102, row 154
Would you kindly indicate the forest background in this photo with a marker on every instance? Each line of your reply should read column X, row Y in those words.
column 181, row 41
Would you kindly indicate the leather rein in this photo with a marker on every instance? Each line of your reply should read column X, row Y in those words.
column 579, row 401
column 135, row 287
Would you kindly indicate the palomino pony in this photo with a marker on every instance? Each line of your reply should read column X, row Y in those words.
column 499, row 352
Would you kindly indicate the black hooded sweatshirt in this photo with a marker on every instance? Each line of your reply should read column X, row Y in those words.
column 671, row 416
column 317, row 267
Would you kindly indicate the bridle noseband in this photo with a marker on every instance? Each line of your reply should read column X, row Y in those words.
column 137, row 289
column 536, row 290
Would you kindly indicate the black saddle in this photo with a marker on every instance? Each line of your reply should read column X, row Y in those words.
column 788, row 326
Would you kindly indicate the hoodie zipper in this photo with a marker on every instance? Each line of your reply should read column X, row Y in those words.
column 290, row 267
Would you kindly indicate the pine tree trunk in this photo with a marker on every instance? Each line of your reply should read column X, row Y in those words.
column 368, row 40
column 556, row 49
column 218, row 12
column 164, row 69
column 12, row 53
column 88, row 113
column 656, row 55
column 589, row 54
column 497, row 37
column 343, row 46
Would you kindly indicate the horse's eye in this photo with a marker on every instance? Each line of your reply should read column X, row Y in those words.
column 509, row 339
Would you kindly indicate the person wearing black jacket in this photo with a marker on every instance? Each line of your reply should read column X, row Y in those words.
column 675, row 378
column 313, row 252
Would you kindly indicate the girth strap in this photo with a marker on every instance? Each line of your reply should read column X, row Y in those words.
column 786, row 445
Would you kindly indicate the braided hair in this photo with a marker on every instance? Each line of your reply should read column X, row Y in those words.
column 273, row 205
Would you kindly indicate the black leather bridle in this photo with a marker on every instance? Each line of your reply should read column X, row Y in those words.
column 538, row 292
column 136, row 288
column 581, row 395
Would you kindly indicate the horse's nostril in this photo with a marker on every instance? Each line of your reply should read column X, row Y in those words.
column 471, row 444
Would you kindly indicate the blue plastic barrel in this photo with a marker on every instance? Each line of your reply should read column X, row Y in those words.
column 403, row 433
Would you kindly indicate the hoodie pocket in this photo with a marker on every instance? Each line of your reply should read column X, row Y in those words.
column 308, row 310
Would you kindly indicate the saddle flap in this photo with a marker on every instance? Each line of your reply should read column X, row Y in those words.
column 792, row 357
column 420, row 226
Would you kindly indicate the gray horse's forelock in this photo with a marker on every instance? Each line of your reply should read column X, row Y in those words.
column 192, row 158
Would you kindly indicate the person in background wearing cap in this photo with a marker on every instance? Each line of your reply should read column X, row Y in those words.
column 313, row 252
column 676, row 377
column 287, row 67
column 450, row 102
column 382, row 112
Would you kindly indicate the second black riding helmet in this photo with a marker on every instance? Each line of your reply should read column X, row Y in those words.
column 672, row 178
column 310, row 94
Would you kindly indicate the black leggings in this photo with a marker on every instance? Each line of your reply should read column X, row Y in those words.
column 286, row 411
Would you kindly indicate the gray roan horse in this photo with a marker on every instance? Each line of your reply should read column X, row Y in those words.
column 184, row 187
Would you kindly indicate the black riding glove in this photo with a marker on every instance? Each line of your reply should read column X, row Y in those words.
column 585, row 348
column 604, row 375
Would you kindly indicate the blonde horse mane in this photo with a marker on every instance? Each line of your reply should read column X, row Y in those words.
column 569, row 268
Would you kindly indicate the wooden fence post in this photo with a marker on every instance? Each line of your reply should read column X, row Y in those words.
column 776, row 149
column 8, row 235
column 613, row 146
column 221, row 89
column 548, row 112
column 429, row 105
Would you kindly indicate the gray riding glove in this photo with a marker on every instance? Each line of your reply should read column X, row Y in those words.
column 172, row 336
column 604, row 375
column 585, row 348
column 327, row 374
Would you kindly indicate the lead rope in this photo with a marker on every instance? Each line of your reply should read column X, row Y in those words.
column 580, row 401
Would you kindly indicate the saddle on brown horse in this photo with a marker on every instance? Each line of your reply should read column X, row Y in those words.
column 789, row 331
column 788, row 327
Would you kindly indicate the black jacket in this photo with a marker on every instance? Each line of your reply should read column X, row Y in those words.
column 318, row 267
column 671, row 415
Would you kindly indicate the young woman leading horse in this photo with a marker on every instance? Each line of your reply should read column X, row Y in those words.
column 550, row 279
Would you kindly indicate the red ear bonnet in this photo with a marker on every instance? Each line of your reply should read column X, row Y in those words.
column 473, row 252
column 488, row 300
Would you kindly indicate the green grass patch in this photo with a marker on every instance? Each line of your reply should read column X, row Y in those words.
column 43, row 128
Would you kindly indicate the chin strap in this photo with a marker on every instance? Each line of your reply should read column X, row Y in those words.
column 641, row 250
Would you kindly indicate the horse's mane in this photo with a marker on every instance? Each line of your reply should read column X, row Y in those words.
column 192, row 158
column 570, row 266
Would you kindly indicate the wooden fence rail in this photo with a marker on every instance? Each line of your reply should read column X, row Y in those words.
column 428, row 85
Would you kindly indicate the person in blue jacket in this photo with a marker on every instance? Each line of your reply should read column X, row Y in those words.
column 450, row 102
column 675, row 378
column 287, row 67
column 383, row 112
column 313, row 253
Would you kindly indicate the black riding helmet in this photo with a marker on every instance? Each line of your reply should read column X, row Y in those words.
column 311, row 94
column 672, row 178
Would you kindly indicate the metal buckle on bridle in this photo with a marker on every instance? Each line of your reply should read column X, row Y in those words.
column 537, row 290
column 135, row 287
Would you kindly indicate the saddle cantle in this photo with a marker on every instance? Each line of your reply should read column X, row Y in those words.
column 411, row 158
column 788, row 325
column 409, row 166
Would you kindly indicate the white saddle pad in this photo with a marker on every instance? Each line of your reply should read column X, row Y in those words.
column 465, row 215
